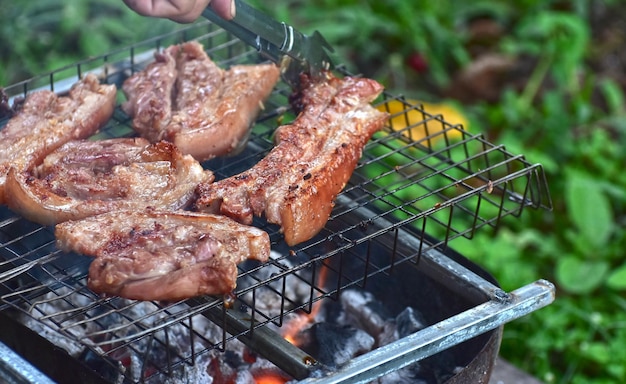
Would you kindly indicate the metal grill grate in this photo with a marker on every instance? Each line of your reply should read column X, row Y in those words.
column 420, row 184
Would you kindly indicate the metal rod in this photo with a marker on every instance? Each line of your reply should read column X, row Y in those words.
column 432, row 262
column 443, row 335
column 15, row 370
column 266, row 342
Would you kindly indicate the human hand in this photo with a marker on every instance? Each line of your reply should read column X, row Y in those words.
column 182, row 11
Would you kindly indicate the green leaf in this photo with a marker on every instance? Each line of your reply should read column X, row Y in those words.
column 559, row 38
column 580, row 276
column 617, row 278
column 613, row 95
column 589, row 208
column 596, row 351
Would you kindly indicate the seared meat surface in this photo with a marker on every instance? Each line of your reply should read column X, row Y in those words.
column 296, row 184
column 47, row 121
column 85, row 178
column 185, row 98
column 149, row 96
column 162, row 255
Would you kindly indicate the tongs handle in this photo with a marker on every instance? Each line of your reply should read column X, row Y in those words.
column 252, row 27
column 276, row 39
column 261, row 24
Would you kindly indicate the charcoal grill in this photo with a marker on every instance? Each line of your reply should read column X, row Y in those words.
column 419, row 185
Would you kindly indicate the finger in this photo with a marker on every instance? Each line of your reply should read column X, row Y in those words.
column 224, row 8
column 160, row 8
column 182, row 11
column 191, row 13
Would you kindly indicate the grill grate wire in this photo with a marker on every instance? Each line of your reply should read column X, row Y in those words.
column 446, row 183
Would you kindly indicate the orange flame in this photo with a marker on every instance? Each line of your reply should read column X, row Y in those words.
column 298, row 323
column 292, row 328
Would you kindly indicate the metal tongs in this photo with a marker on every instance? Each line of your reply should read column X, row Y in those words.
column 294, row 51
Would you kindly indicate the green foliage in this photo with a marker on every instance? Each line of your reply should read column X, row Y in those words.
column 370, row 32
column 589, row 208
column 617, row 279
column 40, row 36
column 580, row 276
column 556, row 119
column 579, row 341
column 548, row 35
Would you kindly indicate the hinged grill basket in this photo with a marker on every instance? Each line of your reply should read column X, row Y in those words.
column 420, row 184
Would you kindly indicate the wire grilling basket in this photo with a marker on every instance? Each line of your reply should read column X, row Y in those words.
column 420, row 184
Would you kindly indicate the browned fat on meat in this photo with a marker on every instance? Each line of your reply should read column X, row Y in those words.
column 185, row 98
column 46, row 121
column 296, row 184
column 161, row 255
column 86, row 178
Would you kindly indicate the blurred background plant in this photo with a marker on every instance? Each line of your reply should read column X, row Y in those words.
column 544, row 78
column 40, row 36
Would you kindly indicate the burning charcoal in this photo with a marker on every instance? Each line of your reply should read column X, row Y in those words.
column 442, row 365
column 388, row 335
column 435, row 369
column 364, row 311
column 136, row 367
column 403, row 376
column 409, row 321
column 268, row 298
column 196, row 373
column 220, row 370
column 101, row 364
column 232, row 359
column 243, row 377
column 334, row 345
column 272, row 375
column 230, row 367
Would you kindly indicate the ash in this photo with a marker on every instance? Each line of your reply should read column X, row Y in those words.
column 134, row 341
column 86, row 337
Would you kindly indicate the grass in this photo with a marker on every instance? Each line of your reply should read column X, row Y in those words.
column 542, row 86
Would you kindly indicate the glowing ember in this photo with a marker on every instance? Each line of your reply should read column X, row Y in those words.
column 270, row 378
column 301, row 321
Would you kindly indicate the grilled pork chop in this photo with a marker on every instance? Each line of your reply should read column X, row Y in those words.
column 296, row 184
column 85, row 178
column 47, row 121
column 162, row 255
column 185, row 98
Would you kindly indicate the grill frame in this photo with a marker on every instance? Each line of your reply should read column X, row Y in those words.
column 411, row 195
